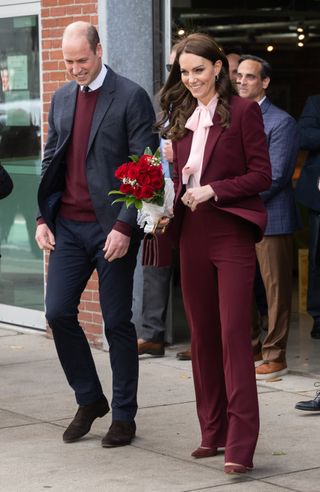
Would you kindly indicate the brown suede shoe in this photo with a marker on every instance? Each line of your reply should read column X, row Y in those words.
column 185, row 355
column 82, row 422
column 120, row 433
column 150, row 348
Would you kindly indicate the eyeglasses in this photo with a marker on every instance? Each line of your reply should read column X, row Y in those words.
column 168, row 67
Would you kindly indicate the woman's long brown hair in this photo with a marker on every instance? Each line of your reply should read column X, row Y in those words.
column 177, row 102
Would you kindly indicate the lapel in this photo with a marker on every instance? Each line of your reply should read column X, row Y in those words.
column 105, row 99
column 213, row 136
column 185, row 147
column 265, row 105
column 69, row 106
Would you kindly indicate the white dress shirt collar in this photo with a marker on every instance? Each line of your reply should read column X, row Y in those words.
column 261, row 100
column 98, row 81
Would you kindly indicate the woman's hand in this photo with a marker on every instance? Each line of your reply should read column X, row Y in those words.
column 200, row 194
column 163, row 224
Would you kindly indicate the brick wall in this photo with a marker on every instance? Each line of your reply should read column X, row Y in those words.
column 55, row 16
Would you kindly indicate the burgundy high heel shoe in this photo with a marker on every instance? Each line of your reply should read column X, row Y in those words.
column 235, row 468
column 204, row 452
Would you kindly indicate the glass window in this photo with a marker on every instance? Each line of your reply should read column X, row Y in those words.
column 21, row 274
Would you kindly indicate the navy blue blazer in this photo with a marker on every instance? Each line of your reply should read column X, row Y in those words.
column 121, row 126
column 282, row 137
column 307, row 191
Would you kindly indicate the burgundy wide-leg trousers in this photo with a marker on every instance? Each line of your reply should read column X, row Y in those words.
column 217, row 253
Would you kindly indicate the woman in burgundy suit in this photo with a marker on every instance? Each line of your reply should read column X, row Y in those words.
column 221, row 165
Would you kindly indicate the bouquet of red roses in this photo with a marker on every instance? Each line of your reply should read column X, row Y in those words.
column 144, row 186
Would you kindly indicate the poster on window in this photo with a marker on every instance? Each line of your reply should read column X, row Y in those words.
column 18, row 72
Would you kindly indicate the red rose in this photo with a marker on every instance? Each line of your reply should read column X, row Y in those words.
column 144, row 160
column 155, row 172
column 144, row 179
column 133, row 172
column 144, row 192
column 120, row 173
column 156, row 182
column 127, row 189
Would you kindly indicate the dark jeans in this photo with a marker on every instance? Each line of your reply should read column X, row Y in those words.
column 77, row 253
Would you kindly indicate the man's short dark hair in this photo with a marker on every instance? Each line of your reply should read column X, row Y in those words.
column 93, row 38
column 265, row 66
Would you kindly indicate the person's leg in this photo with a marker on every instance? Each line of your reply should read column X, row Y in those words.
column 68, row 272
column 115, row 287
column 275, row 255
column 313, row 295
column 200, row 297
column 236, row 270
column 156, row 289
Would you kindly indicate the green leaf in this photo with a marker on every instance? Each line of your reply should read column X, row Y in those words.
column 115, row 192
column 134, row 157
column 130, row 201
column 157, row 153
column 118, row 200
column 148, row 151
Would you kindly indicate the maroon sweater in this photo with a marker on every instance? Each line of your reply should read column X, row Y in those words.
column 76, row 203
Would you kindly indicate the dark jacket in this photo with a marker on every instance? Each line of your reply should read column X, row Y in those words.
column 307, row 191
column 6, row 184
column 121, row 126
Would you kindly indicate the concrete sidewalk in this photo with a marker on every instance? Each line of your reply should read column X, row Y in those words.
column 36, row 405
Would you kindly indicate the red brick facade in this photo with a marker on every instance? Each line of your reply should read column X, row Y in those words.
column 56, row 15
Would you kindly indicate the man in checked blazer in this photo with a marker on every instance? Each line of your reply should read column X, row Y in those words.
column 275, row 251
column 96, row 122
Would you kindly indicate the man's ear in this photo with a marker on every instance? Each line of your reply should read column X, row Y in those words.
column 265, row 83
column 99, row 50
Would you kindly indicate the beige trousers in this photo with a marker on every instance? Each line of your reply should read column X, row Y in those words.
column 275, row 257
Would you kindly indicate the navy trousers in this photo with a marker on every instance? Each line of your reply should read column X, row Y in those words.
column 78, row 251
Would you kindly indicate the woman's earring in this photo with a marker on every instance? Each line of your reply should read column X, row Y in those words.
column 216, row 77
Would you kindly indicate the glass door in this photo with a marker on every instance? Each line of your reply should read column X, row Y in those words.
column 21, row 264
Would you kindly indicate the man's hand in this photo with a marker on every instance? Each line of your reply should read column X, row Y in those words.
column 116, row 245
column 45, row 238
column 194, row 196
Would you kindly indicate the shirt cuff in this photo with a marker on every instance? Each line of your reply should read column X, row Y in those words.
column 40, row 221
column 123, row 227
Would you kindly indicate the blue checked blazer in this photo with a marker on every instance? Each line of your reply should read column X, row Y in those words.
column 282, row 137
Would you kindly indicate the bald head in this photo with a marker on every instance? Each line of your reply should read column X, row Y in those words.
column 82, row 52
column 81, row 29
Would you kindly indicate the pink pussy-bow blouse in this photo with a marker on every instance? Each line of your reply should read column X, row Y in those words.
column 199, row 122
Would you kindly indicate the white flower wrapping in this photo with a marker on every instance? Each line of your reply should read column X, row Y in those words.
column 150, row 214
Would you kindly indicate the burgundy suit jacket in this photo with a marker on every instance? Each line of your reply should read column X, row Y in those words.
column 236, row 164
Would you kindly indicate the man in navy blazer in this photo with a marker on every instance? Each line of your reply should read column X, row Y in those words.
column 275, row 251
column 95, row 122
column 307, row 193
